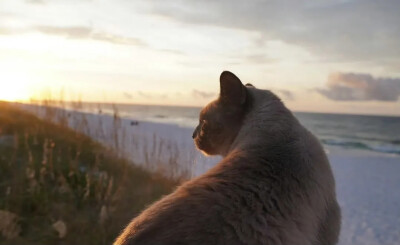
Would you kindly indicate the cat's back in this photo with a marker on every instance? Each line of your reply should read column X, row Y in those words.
column 201, row 211
column 242, row 200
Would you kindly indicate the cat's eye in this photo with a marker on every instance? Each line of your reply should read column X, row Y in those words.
column 203, row 123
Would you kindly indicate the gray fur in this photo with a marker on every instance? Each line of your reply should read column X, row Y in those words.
column 274, row 185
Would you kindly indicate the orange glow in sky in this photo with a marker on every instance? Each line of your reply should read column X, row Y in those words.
column 150, row 52
column 15, row 86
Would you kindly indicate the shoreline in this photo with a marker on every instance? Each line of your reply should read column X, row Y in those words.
column 153, row 141
column 150, row 141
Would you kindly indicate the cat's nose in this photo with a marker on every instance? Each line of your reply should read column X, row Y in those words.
column 195, row 132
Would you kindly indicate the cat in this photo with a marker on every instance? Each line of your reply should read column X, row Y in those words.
column 274, row 185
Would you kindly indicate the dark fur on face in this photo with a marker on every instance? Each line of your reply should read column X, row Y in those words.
column 220, row 120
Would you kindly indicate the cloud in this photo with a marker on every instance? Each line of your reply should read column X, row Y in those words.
column 172, row 51
column 360, row 87
column 76, row 32
column 128, row 95
column 338, row 30
column 149, row 95
column 36, row 1
column 286, row 94
column 107, row 37
column 260, row 59
column 79, row 32
column 7, row 31
column 201, row 94
column 144, row 94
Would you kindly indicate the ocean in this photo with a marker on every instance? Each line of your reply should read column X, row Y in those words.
column 370, row 133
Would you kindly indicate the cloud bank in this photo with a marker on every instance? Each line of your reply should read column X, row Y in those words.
column 201, row 94
column 286, row 94
column 127, row 95
column 340, row 30
column 360, row 87
column 88, row 33
column 36, row 1
column 76, row 32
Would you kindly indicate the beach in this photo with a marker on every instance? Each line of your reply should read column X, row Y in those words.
column 367, row 182
column 366, row 185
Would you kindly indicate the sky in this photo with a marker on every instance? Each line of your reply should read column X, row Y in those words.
column 323, row 56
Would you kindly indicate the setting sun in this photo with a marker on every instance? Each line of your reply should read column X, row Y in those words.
column 15, row 86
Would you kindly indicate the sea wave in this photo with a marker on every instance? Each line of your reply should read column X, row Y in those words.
column 382, row 147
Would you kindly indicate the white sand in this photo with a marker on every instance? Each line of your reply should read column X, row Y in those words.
column 368, row 187
column 368, row 183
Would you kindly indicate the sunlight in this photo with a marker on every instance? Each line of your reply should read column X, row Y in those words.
column 15, row 86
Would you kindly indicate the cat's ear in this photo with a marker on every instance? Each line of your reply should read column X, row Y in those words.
column 232, row 90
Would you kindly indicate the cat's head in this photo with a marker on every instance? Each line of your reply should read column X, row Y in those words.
column 221, row 120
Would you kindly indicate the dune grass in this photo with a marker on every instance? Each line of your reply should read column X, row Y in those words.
column 57, row 186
